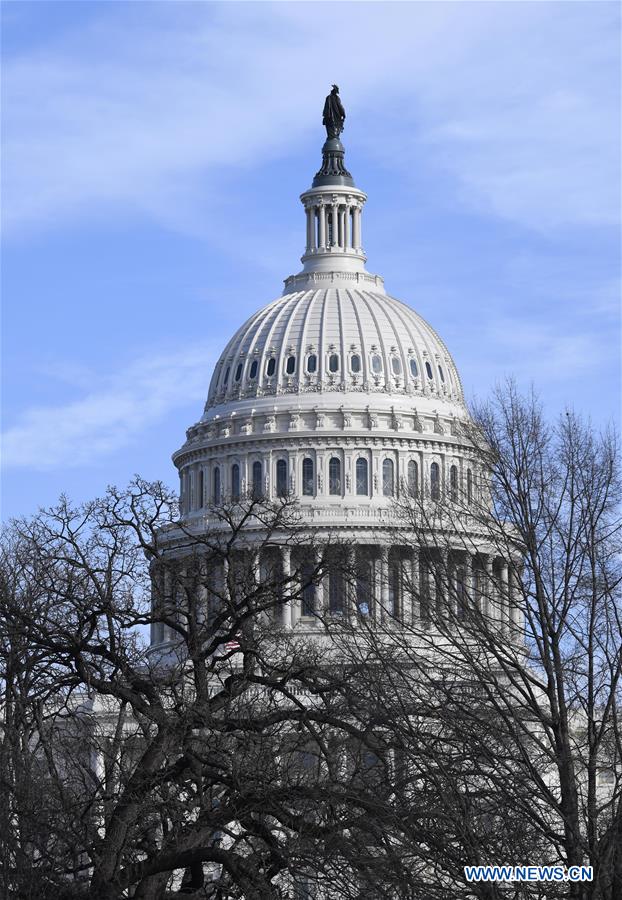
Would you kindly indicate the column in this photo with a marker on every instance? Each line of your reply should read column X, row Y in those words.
column 308, row 212
column 350, row 610
column 443, row 598
column 377, row 586
column 342, row 227
column 431, row 578
column 476, row 585
column 384, row 581
column 515, row 601
column 296, row 589
column 321, row 594
column 487, row 599
column 322, row 217
column 348, row 229
column 413, row 588
column 286, row 570
column 335, row 218
column 503, row 595
column 356, row 224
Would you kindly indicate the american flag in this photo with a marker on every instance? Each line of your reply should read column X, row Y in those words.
column 232, row 645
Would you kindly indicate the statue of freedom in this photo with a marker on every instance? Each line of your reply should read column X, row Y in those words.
column 334, row 114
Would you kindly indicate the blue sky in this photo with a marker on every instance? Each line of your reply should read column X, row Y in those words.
column 152, row 158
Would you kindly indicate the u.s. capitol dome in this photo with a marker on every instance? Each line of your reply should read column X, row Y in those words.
column 341, row 396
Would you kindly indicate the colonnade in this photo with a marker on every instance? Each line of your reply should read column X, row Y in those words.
column 397, row 585
column 333, row 225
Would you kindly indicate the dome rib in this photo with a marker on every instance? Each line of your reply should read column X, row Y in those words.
column 341, row 317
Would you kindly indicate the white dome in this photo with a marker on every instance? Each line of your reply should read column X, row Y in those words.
column 338, row 339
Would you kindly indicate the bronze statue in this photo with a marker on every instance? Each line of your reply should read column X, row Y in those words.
column 334, row 114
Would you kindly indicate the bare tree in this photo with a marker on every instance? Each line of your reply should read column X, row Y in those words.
column 474, row 721
column 520, row 615
column 224, row 763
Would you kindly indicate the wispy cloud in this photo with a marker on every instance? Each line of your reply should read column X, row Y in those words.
column 519, row 102
column 112, row 414
column 544, row 351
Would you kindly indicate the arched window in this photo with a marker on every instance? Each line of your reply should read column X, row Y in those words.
column 376, row 363
column 413, row 478
column 290, row 365
column 271, row 367
column 238, row 371
column 355, row 363
column 396, row 365
column 333, row 363
column 414, row 371
column 388, row 478
column 435, row 482
column 362, row 477
column 312, row 363
column 441, row 373
column 469, row 487
column 334, row 476
column 281, row 477
column 428, row 369
column 257, row 480
column 253, row 370
column 200, row 498
column 453, row 482
column 336, row 592
column 308, row 480
column 235, row 481
column 216, row 486
column 226, row 378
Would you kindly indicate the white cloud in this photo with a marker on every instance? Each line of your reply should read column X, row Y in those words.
column 155, row 113
column 113, row 413
column 546, row 351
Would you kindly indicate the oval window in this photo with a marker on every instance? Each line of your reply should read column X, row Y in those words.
column 312, row 363
column 271, row 367
column 428, row 369
column 441, row 373
column 238, row 372
column 290, row 365
column 226, row 378
column 355, row 363
column 253, row 372
column 414, row 371
column 376, row 363
column 333, row 363
column 396, row 365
